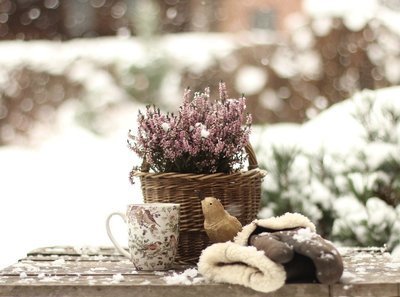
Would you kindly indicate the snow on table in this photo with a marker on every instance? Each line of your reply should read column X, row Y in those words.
column 101, row 271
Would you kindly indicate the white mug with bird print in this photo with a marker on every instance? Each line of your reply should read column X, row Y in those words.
column 153, row 234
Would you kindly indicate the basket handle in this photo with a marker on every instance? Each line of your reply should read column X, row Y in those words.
column 253, row 164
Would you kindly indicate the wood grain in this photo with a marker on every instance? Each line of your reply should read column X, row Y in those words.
column 101, row 271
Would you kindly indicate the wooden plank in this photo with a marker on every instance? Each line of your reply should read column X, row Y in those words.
column 76, row 251
column 84, row 280
column 76, row 258
column 370, row 267
column 302, row 290
column 61, row 267
column 68, row 271
column 87, row 253
column 365, row 290
column 122, row 291
column 155, row 290
column 69, row 278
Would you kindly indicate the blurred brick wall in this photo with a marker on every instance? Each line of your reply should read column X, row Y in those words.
column 345, row 67
column 348, row 61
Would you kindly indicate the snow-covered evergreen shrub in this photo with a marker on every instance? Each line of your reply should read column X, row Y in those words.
column 349, row 186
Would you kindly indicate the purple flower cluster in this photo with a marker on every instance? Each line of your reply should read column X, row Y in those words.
column 203, row 137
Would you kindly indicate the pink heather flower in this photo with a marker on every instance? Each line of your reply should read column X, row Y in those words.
column 205, row 136
column 222, row 91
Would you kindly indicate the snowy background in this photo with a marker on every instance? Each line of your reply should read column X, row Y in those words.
column 60, row 180
column 59, row 192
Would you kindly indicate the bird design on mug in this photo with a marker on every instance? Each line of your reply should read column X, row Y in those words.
column 152, row 248
column 145, row 218
column 149, row 218
column 173, row 242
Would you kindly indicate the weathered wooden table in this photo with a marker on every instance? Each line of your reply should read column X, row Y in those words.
column 68, row 271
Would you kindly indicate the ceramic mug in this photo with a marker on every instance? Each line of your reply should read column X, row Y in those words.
column 153, row 234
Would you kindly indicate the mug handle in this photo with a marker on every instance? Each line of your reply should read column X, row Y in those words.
column 116, row 244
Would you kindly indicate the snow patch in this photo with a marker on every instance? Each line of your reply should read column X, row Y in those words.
column 304, row 234
column 50, row 279
column 327, row 256
column 349, row 277
column 98, row 269
column 394, row 266
column 59, row 262
column 188, row 277
column 117, row 278
column 23, row 275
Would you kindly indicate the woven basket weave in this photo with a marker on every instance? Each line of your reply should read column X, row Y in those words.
column 238, row 192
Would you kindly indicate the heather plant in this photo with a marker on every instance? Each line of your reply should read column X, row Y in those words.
column 205, row 136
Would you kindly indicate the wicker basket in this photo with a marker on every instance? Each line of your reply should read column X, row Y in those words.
column 239, row 193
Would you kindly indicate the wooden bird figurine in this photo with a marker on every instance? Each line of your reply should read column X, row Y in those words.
column 219, row 225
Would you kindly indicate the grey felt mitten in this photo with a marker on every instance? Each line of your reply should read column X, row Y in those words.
column 305, row 255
